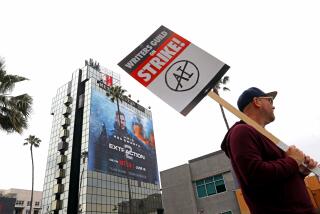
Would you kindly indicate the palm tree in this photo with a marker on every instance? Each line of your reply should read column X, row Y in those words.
column 216, row 89
column 34, row 142
column 84, row 156
column 14, row 110
column 93, row 64
column 116, row 93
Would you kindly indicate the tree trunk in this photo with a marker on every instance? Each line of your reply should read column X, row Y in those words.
column 222, row 110
column 79, row 191
column 31, row 201
column 127, row 173
column 224, row 117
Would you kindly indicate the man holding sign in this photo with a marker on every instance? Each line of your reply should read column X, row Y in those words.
column 181, row 74
column 272, row 181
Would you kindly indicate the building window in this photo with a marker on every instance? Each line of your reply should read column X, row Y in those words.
column 210, row 186
column 19, row 203
column 227, row 212
column 37, row 203
column 28, row 203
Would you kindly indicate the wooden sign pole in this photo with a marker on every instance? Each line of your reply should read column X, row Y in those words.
column 254, row 124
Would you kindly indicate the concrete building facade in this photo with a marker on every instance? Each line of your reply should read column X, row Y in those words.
column 204, row 185
column 22, row 200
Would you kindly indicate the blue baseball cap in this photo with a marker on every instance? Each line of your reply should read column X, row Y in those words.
column 247, row 96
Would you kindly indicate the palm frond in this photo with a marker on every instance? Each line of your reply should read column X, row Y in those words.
column 14, row 110
column 116, row 93
column 225, row 89
column 22, row 103
column 7, row 82
column 2, row 66
column 220, row 83
column 4, row 100
column 32, row 140
column 12, row 120
column 225, row 80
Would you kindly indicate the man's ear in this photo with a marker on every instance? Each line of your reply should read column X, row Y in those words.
column 256, row 103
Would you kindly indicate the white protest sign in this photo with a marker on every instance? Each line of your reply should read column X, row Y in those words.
column 174, row 69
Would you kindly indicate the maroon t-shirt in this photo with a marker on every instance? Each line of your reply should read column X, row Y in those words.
column 270, row 180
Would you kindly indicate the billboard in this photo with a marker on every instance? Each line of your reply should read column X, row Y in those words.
column 121, row 142
column 174, row 69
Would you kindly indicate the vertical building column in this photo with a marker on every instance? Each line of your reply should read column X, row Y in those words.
column 61, row 160
column 76, row 150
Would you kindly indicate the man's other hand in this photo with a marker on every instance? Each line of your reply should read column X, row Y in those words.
column 309, row 163
column 296, row 154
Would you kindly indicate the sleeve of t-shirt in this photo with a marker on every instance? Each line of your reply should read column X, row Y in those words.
column 246, row 152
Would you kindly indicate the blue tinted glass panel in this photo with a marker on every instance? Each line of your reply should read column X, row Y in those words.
column 211, row 189
column 218, row 177
column 201, row 191
column 200, row 182
column 208, row 180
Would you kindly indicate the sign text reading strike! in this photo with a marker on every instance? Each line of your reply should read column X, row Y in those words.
column 159, row 59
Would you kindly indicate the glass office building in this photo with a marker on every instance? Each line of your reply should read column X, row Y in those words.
column 102, row 156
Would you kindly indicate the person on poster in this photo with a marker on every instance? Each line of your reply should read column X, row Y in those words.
column 120, row 138
column 272, row 181
column 125, row 135
column 120, row 128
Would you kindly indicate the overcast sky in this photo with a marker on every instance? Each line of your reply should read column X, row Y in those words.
column 273, row 45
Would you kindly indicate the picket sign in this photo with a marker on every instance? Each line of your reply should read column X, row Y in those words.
column 255, row 125
column 177, row 71
column 181, row 74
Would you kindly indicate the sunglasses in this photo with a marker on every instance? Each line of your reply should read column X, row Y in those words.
column 270, row 99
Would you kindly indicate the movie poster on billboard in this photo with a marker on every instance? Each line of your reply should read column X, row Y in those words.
column 121, row 143
column 177, row 71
